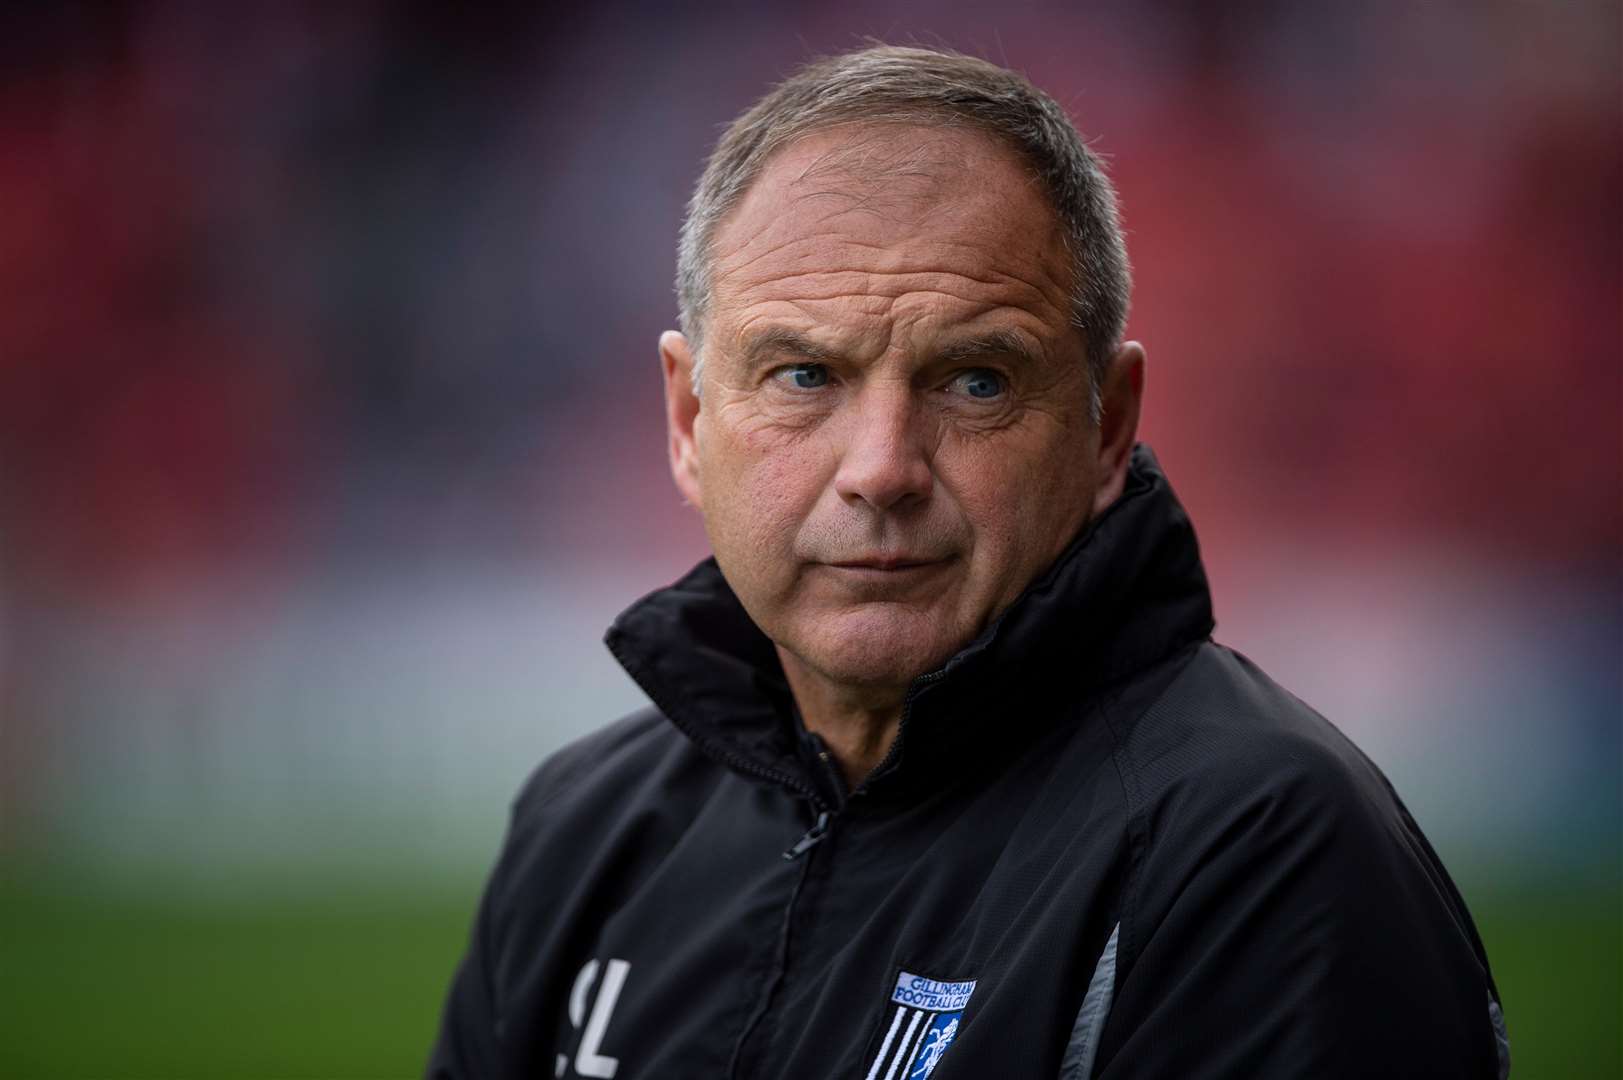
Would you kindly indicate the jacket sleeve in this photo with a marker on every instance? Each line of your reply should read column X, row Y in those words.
column 1290, row 921
column 470, row 1044
column 478, row 1039
column 467, row 1047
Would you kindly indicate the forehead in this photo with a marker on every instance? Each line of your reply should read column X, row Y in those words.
column 863, row 218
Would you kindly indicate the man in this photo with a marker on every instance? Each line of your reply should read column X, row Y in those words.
column 945, row 776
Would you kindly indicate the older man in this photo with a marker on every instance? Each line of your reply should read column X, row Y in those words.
column 945, row 776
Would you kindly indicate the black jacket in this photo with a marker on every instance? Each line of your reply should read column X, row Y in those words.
column 1102, row 846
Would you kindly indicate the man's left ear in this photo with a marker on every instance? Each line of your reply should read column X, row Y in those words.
column 681, row 413
column 1121, row 395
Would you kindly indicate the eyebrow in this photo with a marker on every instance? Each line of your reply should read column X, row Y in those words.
column 993, row 343
column 779, row 340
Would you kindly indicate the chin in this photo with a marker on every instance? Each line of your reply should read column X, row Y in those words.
column 878, row 648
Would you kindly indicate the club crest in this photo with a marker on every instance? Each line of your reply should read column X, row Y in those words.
column 924, row 1020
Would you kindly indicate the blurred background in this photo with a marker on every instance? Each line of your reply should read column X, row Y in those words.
column 330, row 442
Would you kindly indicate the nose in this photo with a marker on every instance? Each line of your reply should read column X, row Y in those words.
column 885, row 459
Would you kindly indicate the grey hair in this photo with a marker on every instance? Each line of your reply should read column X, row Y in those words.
column 906, row 85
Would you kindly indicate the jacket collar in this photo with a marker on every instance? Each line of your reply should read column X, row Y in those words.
column 1128, row 592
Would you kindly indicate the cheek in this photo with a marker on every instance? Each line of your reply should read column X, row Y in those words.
column 1025, row 503
column 764, row 487
column 991, row 481
column 998, row 509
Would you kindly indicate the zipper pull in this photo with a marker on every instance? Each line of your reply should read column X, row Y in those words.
column 812, row 838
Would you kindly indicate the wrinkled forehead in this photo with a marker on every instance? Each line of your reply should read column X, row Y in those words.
column 882, row 195
column 901, row 161
column 885, row 165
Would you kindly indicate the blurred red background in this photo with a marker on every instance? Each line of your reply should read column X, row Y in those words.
column 330, row 434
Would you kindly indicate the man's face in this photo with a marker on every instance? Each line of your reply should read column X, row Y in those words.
column 893, row 435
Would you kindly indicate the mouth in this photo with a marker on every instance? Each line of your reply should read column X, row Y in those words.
column 889, row 576
column 888, row 564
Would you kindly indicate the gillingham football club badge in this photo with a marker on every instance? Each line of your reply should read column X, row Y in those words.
column 924, row 1018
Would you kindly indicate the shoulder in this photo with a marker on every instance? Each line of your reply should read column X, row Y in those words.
column 580, row 799
column 619, row 756
column 1238, row 788
column 1279, row 886
column 1230, row 778
column 1224, row 735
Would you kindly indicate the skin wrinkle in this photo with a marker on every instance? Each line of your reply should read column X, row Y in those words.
column 869, row 160
column 775, row 344
column 1031, row 374
column 995, row 277
column 887, row 454
column 855, row 204
column 932, row 283
column 868, row 294
column 827, row 228
column 873, row 122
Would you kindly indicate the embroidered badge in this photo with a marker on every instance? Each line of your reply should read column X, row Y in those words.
column 922, row 1026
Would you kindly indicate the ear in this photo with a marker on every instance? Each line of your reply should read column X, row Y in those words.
column 681, row 410
column 1121, row 395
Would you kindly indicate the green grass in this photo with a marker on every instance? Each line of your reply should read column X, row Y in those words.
column 1557, row 956
column 350, row 987
column 347, row 988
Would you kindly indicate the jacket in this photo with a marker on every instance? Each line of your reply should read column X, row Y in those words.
column 1101, row 845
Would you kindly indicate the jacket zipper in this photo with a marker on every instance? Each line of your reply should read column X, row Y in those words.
column 819, row 828
column 901, row 725
column 813, row 837
column 825, row 818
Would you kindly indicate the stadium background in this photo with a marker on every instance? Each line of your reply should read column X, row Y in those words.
column 330, row 440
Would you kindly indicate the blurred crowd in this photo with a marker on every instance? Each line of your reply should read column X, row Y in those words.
column 298, row 294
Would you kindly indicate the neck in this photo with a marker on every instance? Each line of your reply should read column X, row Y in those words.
column 857, row 724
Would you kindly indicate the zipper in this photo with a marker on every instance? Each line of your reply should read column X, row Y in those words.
column 813, row 837
column 914, row 691
column 901, row 724
column 831, row 773
column 742, row 764
column 782, row 952
column 745, row 765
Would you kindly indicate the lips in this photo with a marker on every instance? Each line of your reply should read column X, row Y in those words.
column 887, row 562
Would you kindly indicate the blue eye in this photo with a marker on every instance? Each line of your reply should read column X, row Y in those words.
column 980, row 383
column 804, row 376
